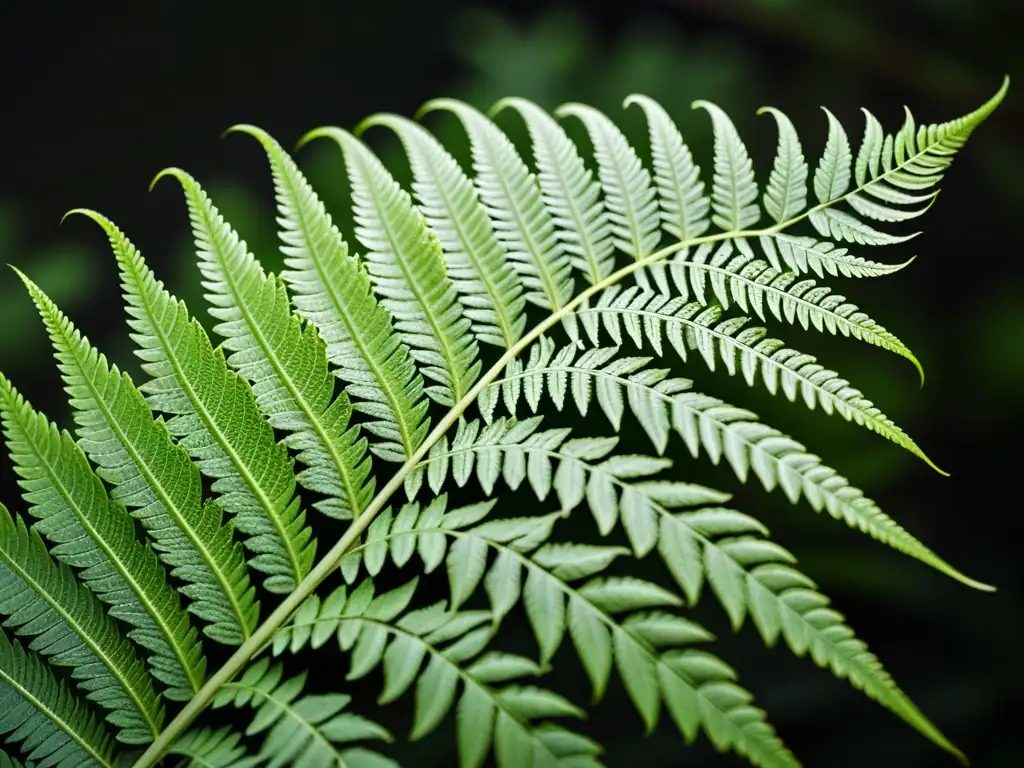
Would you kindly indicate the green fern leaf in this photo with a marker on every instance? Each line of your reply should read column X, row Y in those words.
column 330, row 290
column 840, row 225
column 645, row 646
column 750, row 574
column 746, row 573
column 54, row 729
column 704, row 423
column 309, row 731
column 404, row 260
column 379, row 631
column 684, row 207
column 751, row 283
column 284, row 362
column 629, row 196
column 216, row 419
column 734, row 191
column 514, row 202
column 42, row 600
column 478, row 264
column 154, row 478
column 692, row 326
column 804, row 254
column 786, row 194
column 569, row 191
column 832, row 176
column 213, row 749
column 91, row 533
column 890, row 170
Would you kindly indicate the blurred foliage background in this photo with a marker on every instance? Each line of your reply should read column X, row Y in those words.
column 96, row 100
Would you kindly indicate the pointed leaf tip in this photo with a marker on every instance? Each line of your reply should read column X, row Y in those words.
column 182, row 177
column 323, row 132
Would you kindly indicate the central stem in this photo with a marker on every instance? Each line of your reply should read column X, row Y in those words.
column 330, row 561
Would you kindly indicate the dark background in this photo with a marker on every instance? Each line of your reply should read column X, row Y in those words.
column 95, row 100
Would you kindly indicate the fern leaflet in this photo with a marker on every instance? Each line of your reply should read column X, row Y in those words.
column 154, row 478
column 95, row 535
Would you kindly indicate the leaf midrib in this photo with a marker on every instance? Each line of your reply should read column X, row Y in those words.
column 56, row 719
column 208, row 421
column 382, row 380
column 297, row 396
column 99, row 652
column 157, row 487
column 112, row 557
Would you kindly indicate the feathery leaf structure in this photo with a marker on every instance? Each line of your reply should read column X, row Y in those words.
column 569, row 191
column 662, row 404
column 478, row 264
column 752, row 284
column 748, row 573
column 689, row 326
column 284, row 361
column 41, row 599
column 95, row 536
column 400, row 326
column 404, row 260
column 331, row 290
column 440, row 650
column 648, row 646
column 155, row 479
column 215, row 418
column 49, row 725
column 513, row 201
column 311, row 730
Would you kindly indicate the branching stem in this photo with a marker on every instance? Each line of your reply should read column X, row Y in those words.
column 332, row 558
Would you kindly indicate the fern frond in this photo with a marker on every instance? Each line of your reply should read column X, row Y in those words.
column 750, row 574
column 96, row 536
column 684, row 207
column 404, row 260
column 644, row 314
column 213, row 749
column 752, row 283
column 284, row 361
column 330, row 290
column 786, row 193
column 891, row 172
column 6, row 761
column 629, row 196
column 733, row 191
column 155, row 478
column 514, row 202
column 490, row 290
column 216, row 419
column 832, row 176
column 569, row 192
column 37, row 711
column 312, row 731
column 647, row 645
column 378, row 631
column 704, row 423
column 43, row 600
column 746, row 573
column 804, row 254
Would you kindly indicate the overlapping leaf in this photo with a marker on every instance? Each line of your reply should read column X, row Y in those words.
column 97, row 537
column 284, row 362
column 216, row 419
column 440, row 650
column 155, row 479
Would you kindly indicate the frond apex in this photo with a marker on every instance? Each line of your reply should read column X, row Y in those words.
column 182, row 177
